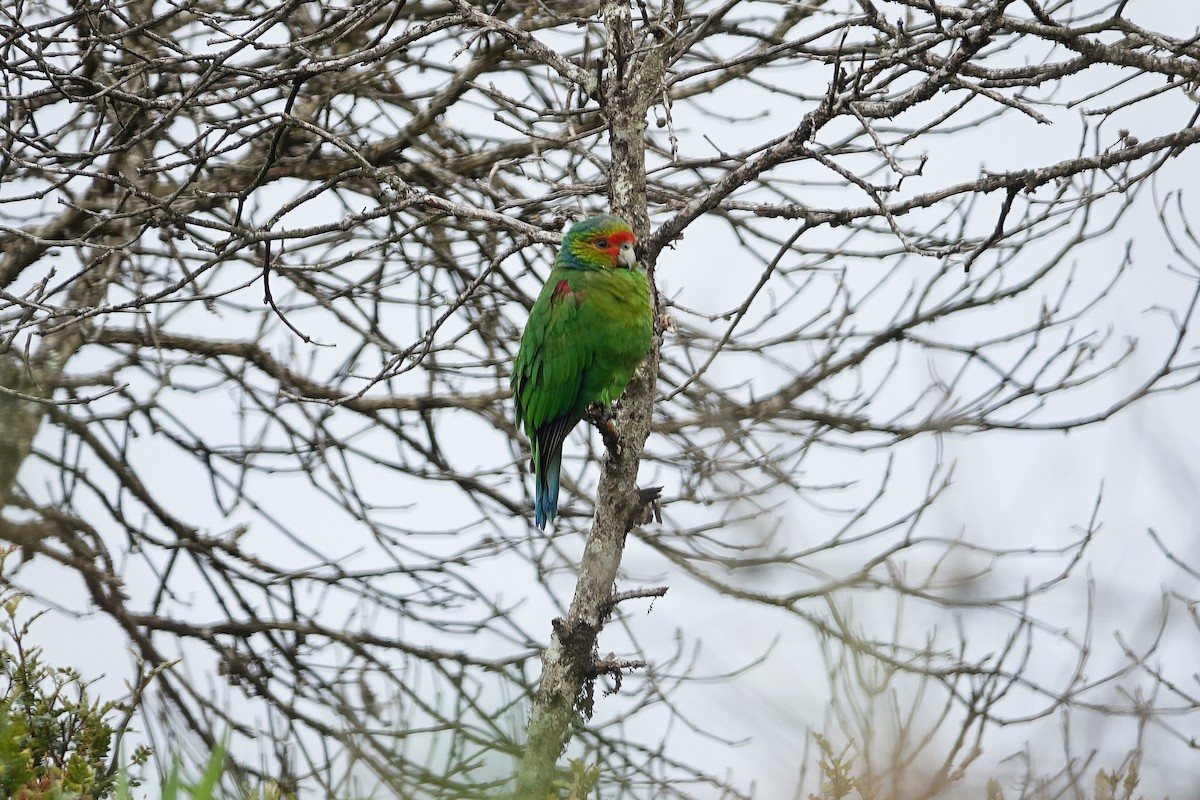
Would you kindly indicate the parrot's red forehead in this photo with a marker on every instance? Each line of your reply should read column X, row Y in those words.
column 612, row 241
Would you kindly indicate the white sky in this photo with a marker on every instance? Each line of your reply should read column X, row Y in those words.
column 1009, row 489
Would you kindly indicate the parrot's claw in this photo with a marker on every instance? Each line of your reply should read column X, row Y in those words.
column 602, row 418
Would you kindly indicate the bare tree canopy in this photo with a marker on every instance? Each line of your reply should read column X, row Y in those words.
column 263, row 272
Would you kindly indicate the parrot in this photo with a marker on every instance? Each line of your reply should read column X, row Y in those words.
column 587, row 332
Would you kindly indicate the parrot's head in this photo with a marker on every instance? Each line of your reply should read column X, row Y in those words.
column 601, row 242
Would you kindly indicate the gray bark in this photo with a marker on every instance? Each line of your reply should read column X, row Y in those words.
column 568, row 664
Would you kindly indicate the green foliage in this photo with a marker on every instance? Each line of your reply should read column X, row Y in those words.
column 837, row 774
column 1109, row 785
column 56, row 743
column 842, row 778
column 583, row 779
column 207, row 787
column 55, row 739
column 1115, row 786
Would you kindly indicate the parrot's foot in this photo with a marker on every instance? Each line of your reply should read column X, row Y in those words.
column 602, row 418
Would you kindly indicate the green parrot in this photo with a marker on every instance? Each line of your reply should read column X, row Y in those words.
column 589, row 329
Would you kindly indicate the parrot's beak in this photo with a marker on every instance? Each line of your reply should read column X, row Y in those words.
column 626, row 258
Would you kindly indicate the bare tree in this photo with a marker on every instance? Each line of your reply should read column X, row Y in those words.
column 265, row 266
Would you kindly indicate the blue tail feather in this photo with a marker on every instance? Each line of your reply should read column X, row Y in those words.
column 546, row 497
column 547, row 463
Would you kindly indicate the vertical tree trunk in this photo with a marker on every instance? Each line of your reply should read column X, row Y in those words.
column 568, row 662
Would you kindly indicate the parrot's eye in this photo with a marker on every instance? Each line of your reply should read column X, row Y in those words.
column 602, row 244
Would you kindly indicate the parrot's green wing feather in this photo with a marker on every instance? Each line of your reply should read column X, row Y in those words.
column 548, row 372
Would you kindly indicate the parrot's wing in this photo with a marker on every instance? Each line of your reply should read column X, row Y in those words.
column 548, row 373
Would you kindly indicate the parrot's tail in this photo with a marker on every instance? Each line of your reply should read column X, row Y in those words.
column 547, row 462
column 547, row 490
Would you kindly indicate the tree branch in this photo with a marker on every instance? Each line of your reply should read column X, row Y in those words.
column 568, row 664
